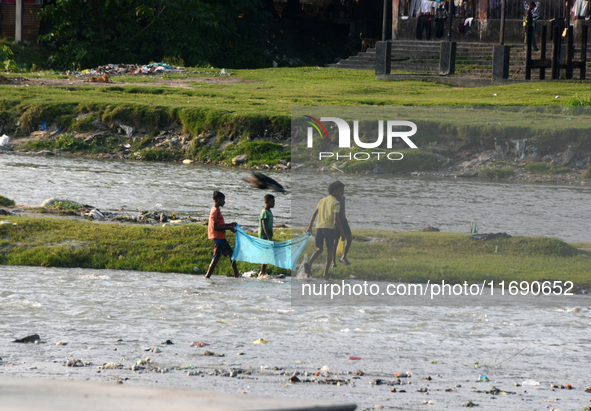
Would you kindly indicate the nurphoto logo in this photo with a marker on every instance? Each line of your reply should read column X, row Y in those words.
column 386, row 130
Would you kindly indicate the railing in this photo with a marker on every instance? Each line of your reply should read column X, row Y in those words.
column 515, row 9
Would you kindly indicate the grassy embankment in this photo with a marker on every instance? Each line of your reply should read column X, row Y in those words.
column 376, row 255
column 211, row 111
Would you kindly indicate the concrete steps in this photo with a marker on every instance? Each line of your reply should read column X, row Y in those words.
column 474, row 59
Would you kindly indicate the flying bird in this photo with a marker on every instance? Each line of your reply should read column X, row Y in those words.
column 259, row 180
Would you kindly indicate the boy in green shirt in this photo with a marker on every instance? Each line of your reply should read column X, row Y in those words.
column 266, row 224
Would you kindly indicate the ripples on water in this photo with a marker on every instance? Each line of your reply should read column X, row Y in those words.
column 509, row 341
column 407, row 203
column 374, row 201
column 93, row 309
column 136, row 186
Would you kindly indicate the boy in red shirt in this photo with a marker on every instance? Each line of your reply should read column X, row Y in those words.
column 216, row 230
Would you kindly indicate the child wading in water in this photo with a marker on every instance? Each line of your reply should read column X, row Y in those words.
column 216, row 230
column 327, row 211
column 266, row 224
column 344, row 234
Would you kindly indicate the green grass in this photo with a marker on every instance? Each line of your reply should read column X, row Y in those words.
column 537, row 167
column 157, row 154
column 252, row 105
column 577, row 101
column 375, row 255
column 543, row 168
column 455, row 258
column 26, row 57
column 64, row 206
column 272, row 93
column 6, row 202
column 71, row 143
column 559, row 170
column 257, row 152
column 60, row 242
column 495, row 173
column 259, row 102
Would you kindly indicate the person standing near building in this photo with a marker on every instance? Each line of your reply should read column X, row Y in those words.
column 441, row 13
column 580, row 9
column 424, row 20
column 529, row 20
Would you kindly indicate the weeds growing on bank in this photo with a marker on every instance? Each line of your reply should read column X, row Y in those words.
column 58, row 242
column 258, row 152
column 6, row 202
column 263, row 98
column 223, row 116
column 495, row 173
column 455, row 258
column 543, row 168
column 375, row 255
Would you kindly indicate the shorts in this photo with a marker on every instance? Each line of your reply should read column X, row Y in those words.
column 222, row 247
column 345, row 231
column 325, row 235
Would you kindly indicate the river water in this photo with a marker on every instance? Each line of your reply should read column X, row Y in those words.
column 105, row 316
column 373, row 201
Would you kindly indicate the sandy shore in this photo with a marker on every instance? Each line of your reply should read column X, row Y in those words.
column 55, row 395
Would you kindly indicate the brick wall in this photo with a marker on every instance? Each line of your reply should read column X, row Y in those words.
column 30, row 22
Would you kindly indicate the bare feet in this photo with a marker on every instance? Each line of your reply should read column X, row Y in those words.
column 345, row 261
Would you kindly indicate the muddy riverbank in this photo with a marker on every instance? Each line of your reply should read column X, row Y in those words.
column 483, row 165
